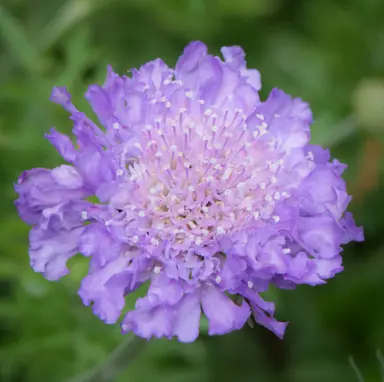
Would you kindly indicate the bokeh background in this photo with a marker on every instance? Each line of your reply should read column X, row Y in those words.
column 330, row 53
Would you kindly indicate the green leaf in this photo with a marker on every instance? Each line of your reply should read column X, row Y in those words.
column 381, row 362
column 15, row 38
column 70, row 14
column 78, row 56
column 355, row 368
column 327, row 133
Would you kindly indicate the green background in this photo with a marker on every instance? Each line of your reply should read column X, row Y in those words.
column 330, row 53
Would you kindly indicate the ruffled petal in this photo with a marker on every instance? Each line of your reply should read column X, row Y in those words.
column 105, row 288
column 320, row 235
column 61, row 96
column 188, row 64
column 222, row 313
column 153, row 74
column 67, row 176
column 352, row 232
column 63, row 145
column 269, row 322
column 100, row 102
column 155, row 314
column 235, row 58
column 55, row 240
column 97, row 243
column 156, row 322
column 39, row 189
column 187, row 318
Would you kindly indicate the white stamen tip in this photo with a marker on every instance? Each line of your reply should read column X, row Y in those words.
column 141, row 214
column 116, row 125
column 227, row 174
column 189, row 94
column 154, row 241
column 218, row 279
column 119, row 172
column 276, row 218
column 135, row 238
column 250, row 284
column 220, row 230
column 310, row 155
column 84, row 215
column 156, row 269
column 286, row 251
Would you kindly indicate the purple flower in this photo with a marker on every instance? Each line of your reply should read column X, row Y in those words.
column 205, row 193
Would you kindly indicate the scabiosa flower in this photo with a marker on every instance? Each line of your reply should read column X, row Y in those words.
column 204, row 192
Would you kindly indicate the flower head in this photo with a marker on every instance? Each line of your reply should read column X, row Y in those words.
column 203, row 190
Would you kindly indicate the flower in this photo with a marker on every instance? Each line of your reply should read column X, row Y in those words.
column 205, row 192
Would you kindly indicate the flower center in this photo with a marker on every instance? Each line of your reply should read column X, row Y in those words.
column 201, row 174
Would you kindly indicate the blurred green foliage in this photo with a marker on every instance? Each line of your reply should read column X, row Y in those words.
column 330, row 53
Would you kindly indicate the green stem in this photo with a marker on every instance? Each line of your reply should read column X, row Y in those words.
column 115, row 365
